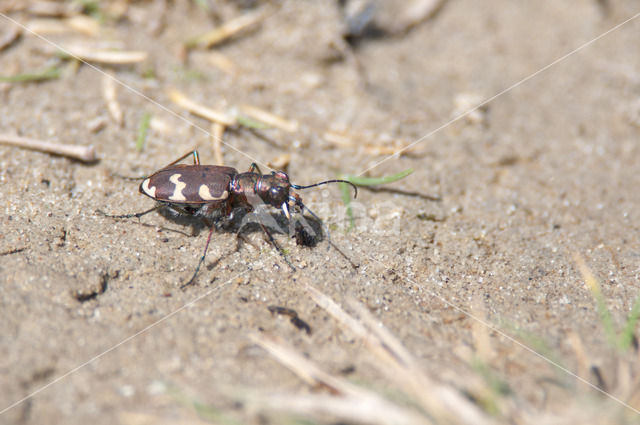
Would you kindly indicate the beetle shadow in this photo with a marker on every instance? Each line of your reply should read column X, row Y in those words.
column 197, row 224
column 308, row 231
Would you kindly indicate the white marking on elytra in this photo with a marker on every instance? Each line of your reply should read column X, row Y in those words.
column 206, row 195
column 151, row 191
column 177, row 193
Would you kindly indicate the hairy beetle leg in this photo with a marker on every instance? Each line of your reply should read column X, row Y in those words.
column 136, row 215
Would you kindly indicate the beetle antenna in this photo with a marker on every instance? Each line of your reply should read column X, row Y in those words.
column 296, row 186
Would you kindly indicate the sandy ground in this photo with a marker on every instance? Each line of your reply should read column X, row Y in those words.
column 485, row 231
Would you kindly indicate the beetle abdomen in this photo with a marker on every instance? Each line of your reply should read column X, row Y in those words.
column 189, row 184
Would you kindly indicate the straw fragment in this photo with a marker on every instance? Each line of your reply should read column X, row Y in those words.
column 344, row 139
column 203, row 111
column 280, row 162
column 269, row 118
column 80, row 152
column 114, row 57
column 222, row 62
column 228, row 30
column 109, row 94
column 217, row 132
column 348, row 401
column 442, row 402
column 53, row 8
column 79, row 23
column 9, row 37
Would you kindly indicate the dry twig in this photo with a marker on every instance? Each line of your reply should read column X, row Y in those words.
column 269, row 118
column 444, row 403
column 217, row 132
column 195, row 108
column 109, row 94
column 349, row 402
column 9, row 37
column 80, row 152
column 113, row 57
column 228, row 29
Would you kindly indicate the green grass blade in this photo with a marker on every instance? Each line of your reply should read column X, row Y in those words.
column 345, row 192
column 345, row 189
column 626, row 337
column 250, row 123
column 375, row 181
column 48, row 74
column 143, row 129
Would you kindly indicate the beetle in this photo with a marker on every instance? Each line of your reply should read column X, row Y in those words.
column 213, row 192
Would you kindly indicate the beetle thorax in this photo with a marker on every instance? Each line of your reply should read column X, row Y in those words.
column 271, row 189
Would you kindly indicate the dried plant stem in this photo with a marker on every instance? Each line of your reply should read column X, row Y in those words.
column 217, row 132
column 82, row 153
column 269, row 118
column 195, row 108
column 228, row 29
column 109, row 94
column 114, row 57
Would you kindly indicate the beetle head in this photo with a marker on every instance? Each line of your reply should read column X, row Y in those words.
column 274, row 189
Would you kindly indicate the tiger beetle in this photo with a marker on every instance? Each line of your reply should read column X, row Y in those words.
column 213, row 192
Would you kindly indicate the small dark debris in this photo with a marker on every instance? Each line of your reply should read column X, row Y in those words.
column 295, row 320
column 301, row 324
column 86, row 295
column 12, row 251
column 508, row 160
column 597, row 374
column 46, row 182
column 62, row 239
column 42, row 374
column 348, row 370
column 429, row 217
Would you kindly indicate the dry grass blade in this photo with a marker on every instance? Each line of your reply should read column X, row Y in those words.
column 280, row 162
column 339, row 139
column 228, row 29
column 222, row 62
column 302, row 367
column 110, row 98
column 138, row 418
column 418, row 11
column 82, row 153
column 75, row 24
column 480, row 332
column 7, row 38
column 195, row 108
column 269, row 118
column 357, row 410
column 217, row 132
column 370, row 144
column 349, row 403
column 443, row 403
column 113, row 57
column 582, row 359
column 53, row 8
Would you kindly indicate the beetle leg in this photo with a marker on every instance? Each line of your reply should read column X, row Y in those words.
column 276, row 246
column 178, row 209
column 196, row 158
column 204, row 254
column 254, row 167
column 137, row 215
